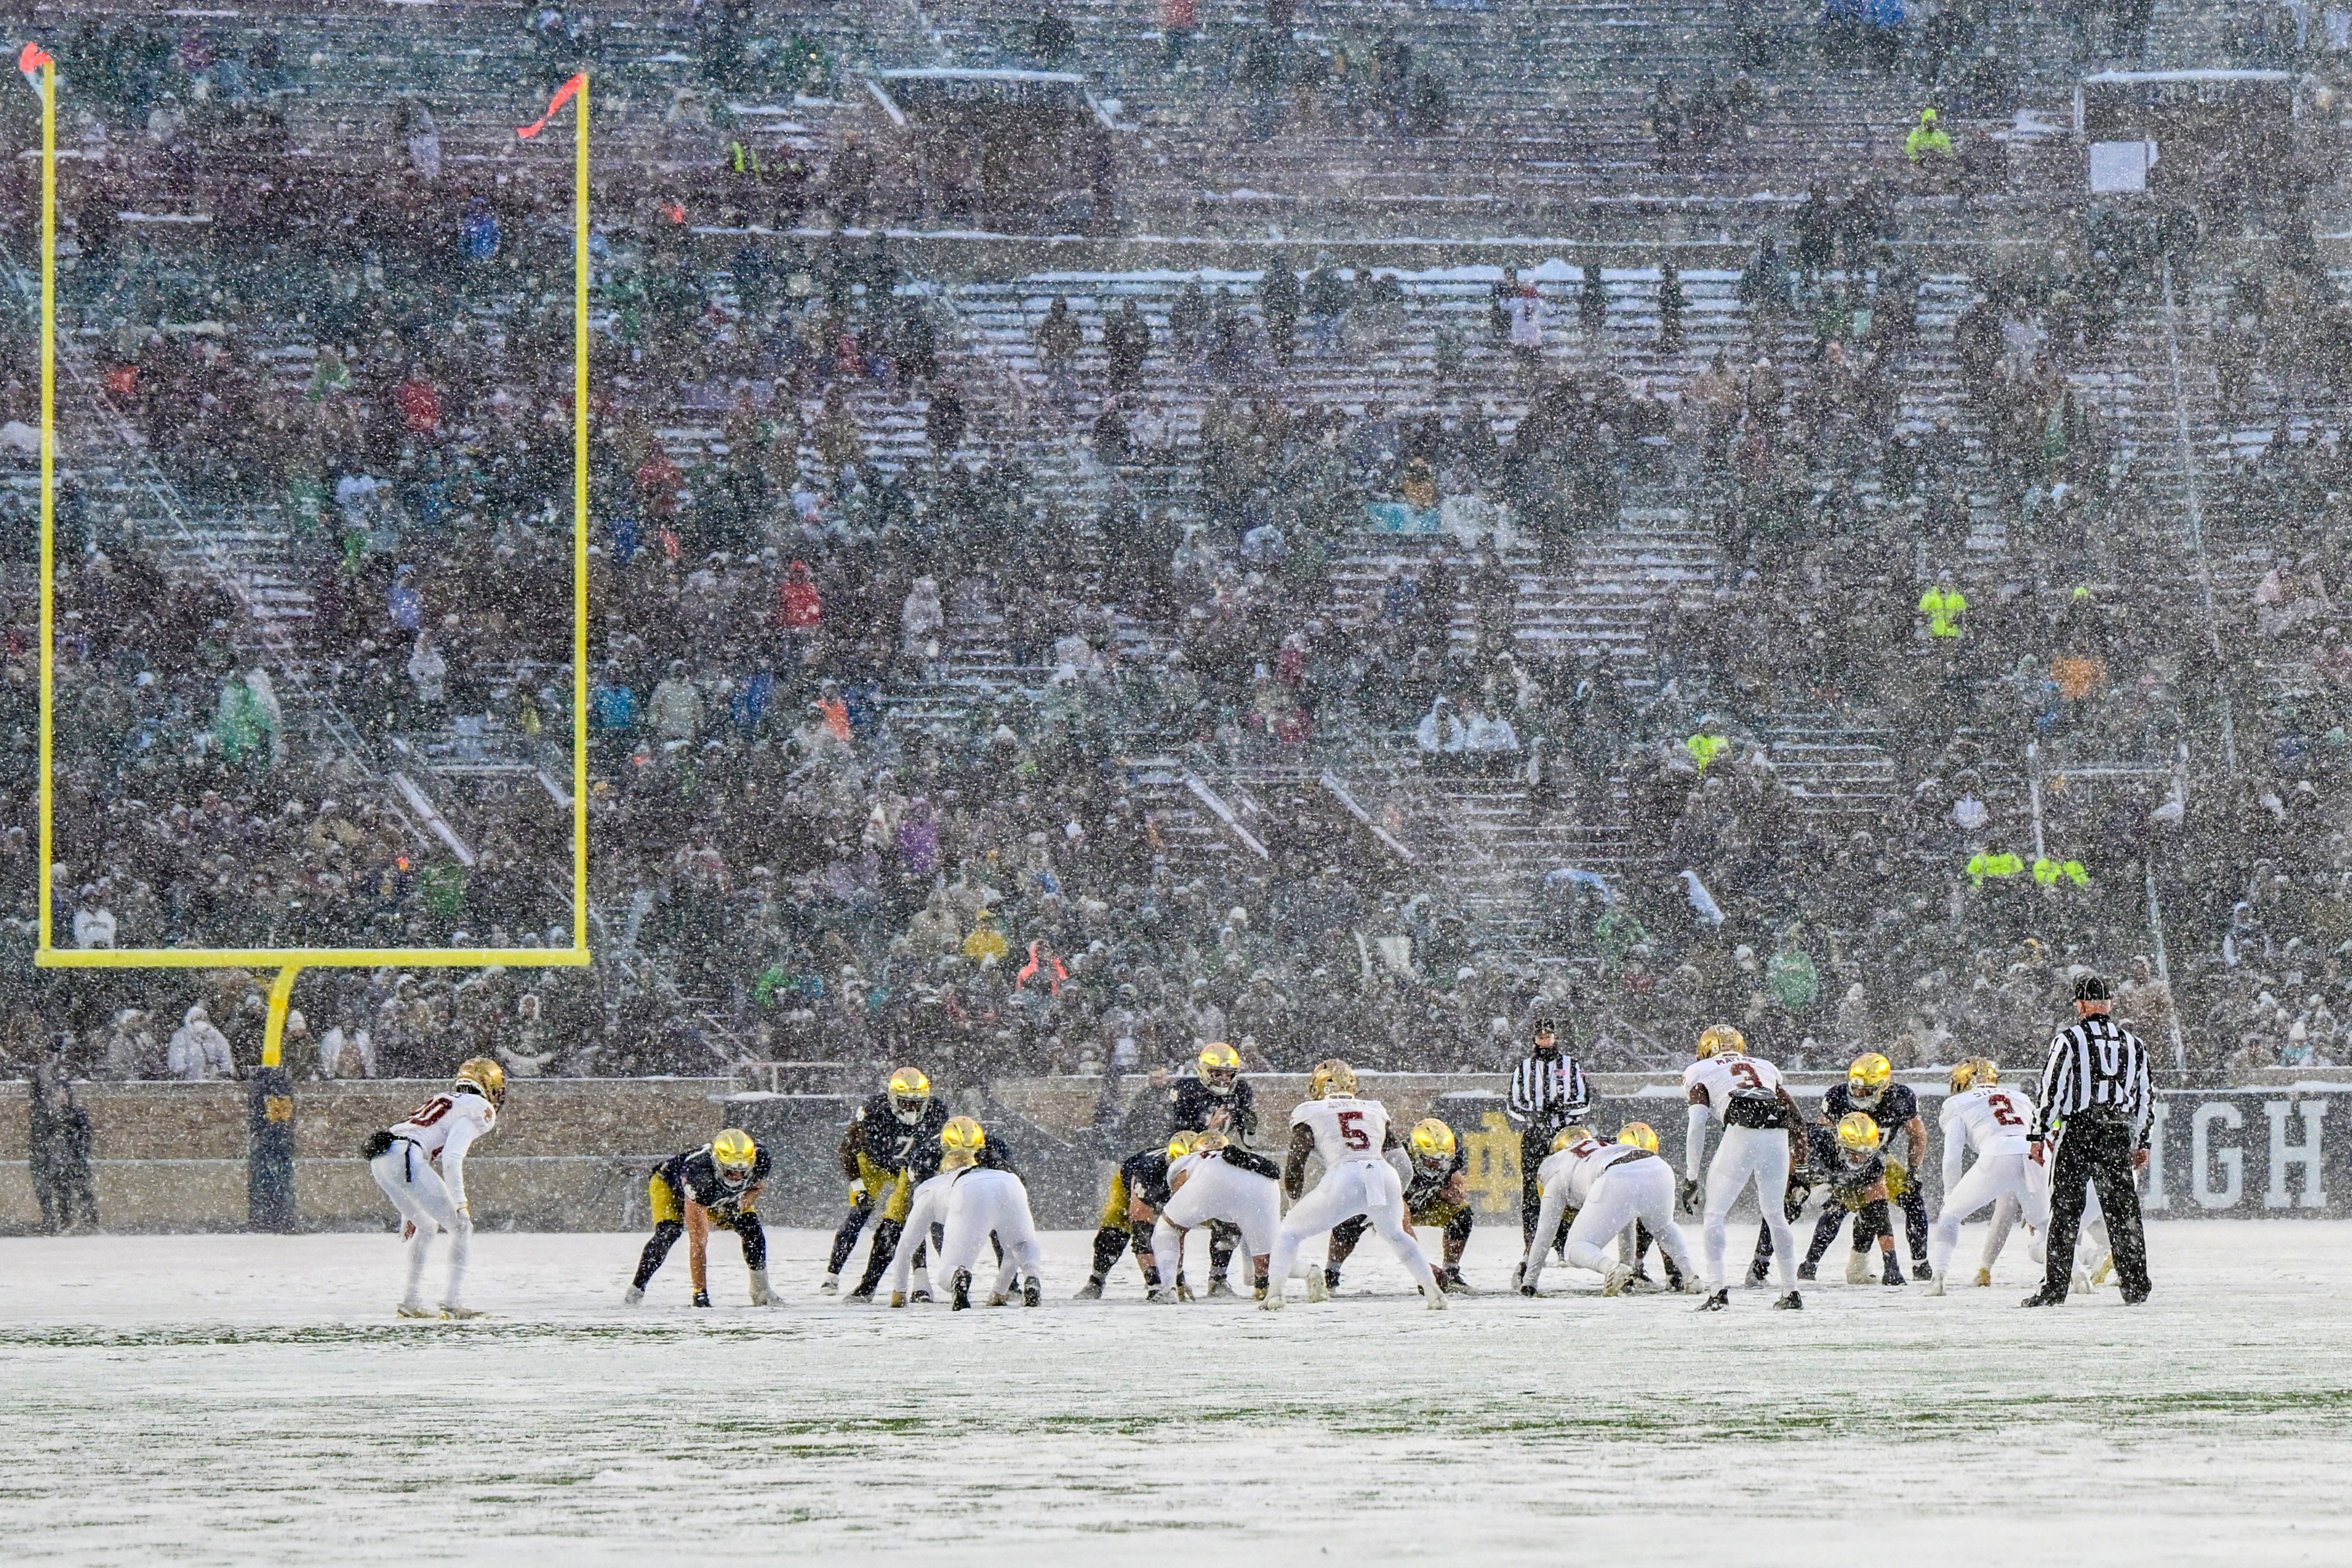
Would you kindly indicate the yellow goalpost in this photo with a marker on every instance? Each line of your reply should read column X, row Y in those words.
column 291, row 961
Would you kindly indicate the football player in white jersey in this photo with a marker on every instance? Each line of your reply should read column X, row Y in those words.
column 1987, row 1116
column 1212, row 1178
column 1354, row 1138
column 970, row 1203
column 404, row 1161
column 1762, row 1137
column 1611, row 1186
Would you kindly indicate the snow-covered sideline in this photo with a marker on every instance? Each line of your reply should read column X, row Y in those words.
column 251, row 1399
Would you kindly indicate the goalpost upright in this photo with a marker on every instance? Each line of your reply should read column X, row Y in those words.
column 291, row 961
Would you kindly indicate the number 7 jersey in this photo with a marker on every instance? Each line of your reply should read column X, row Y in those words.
column 1345, row 1128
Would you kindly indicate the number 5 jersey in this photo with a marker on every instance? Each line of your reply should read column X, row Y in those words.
column 1345, row 1128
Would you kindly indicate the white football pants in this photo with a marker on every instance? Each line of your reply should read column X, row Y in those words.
column 1367, row 1187
column 1631, row 1189
column 985, row 1201
column 1217, row 1191
column 1992, row 1178
column 416, row 1189
column 1760, row 1154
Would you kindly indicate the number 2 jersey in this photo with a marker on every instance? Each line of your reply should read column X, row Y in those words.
column 1345, row 1128
column 455, row 1118
column 1993, row 1120
column 1740, row 1090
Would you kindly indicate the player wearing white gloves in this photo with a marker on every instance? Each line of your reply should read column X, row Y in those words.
column 1611, row 1186
column 1355, row 1140
column 1212, row 1179
column 970, row 1203
column 403, row 1158
column 1762, row 1133
column 1996, row 1122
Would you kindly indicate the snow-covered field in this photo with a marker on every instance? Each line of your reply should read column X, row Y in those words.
column 251, row 1399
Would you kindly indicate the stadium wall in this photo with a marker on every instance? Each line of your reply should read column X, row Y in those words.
column 572, row 1154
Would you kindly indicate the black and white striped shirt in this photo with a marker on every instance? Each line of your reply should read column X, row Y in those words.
column 1548, row 1094
column 2094, row 1062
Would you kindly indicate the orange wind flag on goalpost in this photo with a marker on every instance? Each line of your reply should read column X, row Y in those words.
column 30, row 59
column 562, row 96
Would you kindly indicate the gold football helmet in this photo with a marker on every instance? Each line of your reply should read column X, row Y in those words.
column 1331, row 1077
column 1218, row 1064
column 1570, row 1137
column 1181, row 1144
column 1432, row 1140
column 1721, row 1040
column 1865, row 1080
column 961, row 1141
column 1974, row 1072
column 910, row 1092
column 485, row 1075
column 1858, row 1132
column 735, row 1155
column 1640, row 1134
column 1208, row 1143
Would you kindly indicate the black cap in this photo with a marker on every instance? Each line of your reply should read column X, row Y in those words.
column 1544, row 1024
column 2091, row 988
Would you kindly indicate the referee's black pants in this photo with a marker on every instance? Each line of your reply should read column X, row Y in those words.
column 1534, row 1148
column 2095, row 1147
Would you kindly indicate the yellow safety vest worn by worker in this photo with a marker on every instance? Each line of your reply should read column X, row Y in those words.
column 1943, row 611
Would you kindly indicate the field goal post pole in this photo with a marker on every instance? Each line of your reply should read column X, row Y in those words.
column 270, row 1165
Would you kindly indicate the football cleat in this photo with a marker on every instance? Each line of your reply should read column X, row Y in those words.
column 832, row 1286
column 2134, row 1297
column 1920, row 1269
column 1161, row 1296
column 920, row 1293
column 962, row 1299
column 1089, row 1292
column 1894, row 1274
column 1217, row 1286
column 1934, row 1286
column 760, row 1294
column 1031, row 1294
column 1453, row 1284
column 1526, row 1290
column 1183, row 1291
column 1317, row 1287
column 1270, row 1302
column 1857, row 1267
column 460, row 1314
column 2042, row 1298
column 1718, row 1302
column 897, row 1298
column 632, row 1296
column 1518, row 1273
column 1756, row 1274
column 702, row 1298
column 864, row 1293
column 1791, row 1303
column 1807, row 1270
column 2106, row 1267
column 1619, row 1277
column 1984, row 1278
column 416, row 1309
column 998, row 1298
column 1433, row 1298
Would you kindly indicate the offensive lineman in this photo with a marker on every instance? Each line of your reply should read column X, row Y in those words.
column 1996, row 1122
column 972, row 1202
column 1213, row 1180
column 1609, row 1186
column 1436, row 1195
column 715, row 1187
column 1138, row 1191
column 1857, row 1175
column 1869, row 1087
column 1761, row 1128
column 1354, row 1138
column 1215, row 1099
column 891, row 1146
column 403, row 1160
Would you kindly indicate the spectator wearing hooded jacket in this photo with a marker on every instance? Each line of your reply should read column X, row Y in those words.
column 198, row 1052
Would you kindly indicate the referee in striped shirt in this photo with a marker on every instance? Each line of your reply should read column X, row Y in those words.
column 2093, row 1128
column 1548, row 1094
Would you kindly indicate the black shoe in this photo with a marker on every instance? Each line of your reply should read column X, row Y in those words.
column 1756, row 1273
column 1331, row 1280
column 2134, row 1297
column 863, row 1293
column 962, row 1290
column 1920, row 1271
column 1718, row 1302
column 1807, row 1270
column 1089, row 1292
column 2045, row 1297
column 1791, row 1303
column 1030, row 1294
column 1894, row 1275
column 702, row 1298
column 1527, row 1289
column 920, row 1293
column 1453, row 1284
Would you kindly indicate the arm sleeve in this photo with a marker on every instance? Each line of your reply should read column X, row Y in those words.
column 1244, row 1110
column 1580, row 1088
column 1519, row 1105
column 1955, row 1138
column 1695, row 1142
column 1256, row 1164
column 453, row 1159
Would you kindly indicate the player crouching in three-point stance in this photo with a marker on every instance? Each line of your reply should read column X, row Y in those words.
column 713, row 1187
column 1437, row 1194
column 1609, row 1186
column 1354, row 1138
column 402, row 1159
column 972, row 1202
column 1213, row 1181
column 1997, row 1121
column 1760, row 1128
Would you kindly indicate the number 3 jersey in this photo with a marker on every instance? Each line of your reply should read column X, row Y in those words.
column 434, row 1124
column 1740, row 1090
column 1995, row 1119
column 1345, row 1128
